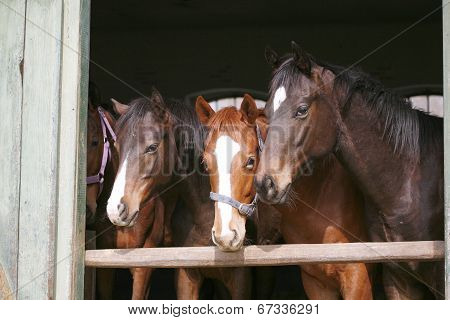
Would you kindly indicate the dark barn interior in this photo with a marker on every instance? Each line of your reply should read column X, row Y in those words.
column 188, row 46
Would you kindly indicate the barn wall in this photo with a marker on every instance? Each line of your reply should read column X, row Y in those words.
column 11, row 55
column 43, row 100
column 446, row 67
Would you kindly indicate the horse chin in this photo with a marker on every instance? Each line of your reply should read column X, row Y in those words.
column 231, row 248
column 128, row 223
column 282, row 196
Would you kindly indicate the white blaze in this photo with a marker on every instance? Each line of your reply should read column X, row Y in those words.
column 117, row 192
column 280, row 96
column 226, row 149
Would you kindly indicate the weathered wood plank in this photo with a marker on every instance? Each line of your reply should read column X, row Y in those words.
column 39, row 158
column 90, row 273
column 291, row 254
column 446, row 73
column 12, row 30
column 72, row 155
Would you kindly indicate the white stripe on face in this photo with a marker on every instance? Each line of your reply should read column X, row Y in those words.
column 280, row 96
column 117, row 192
column 226, row 149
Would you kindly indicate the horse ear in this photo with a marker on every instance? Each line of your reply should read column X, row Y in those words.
column 119, row 108
column 204, row 110
column 157, row 100
column 249, row 108
column 156, row 97
column 301, row 58
column 272, row 57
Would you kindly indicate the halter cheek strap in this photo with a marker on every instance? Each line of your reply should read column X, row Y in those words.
column 247, row 210
column 106, row 128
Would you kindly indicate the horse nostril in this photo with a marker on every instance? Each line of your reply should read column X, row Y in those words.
column 122, row 208
column 268, row 183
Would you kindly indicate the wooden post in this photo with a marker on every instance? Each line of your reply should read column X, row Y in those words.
column 90, row 272
column 12, row 30
column 72, row 150
column 43, row 100
column 446, row 73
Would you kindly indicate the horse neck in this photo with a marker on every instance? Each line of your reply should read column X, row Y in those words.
column 194, row 192
column 370, row 158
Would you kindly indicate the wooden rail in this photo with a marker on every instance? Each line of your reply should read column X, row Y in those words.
column 271, row 255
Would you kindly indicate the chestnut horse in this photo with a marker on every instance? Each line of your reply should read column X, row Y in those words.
column 328, row 208
column 394, row 152
column 160, row 146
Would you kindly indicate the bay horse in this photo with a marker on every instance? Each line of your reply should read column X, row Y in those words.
column 160, row 145
column 102, row 162
column 232, row 155
column 394, row 153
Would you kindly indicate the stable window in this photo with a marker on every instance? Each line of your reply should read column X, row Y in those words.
column 226, row 97
column 427, row 98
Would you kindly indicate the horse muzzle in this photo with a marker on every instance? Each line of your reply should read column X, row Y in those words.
column 269, row 191
column 228, row 242
column 121, row 215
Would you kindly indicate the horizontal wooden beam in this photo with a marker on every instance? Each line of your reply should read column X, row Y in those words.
column 272, row 255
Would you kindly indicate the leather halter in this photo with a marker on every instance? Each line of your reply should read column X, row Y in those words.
column 245, row 209
column 106, row 128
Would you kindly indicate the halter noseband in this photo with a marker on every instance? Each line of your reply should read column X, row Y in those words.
column 106, row 127
column 246, row 210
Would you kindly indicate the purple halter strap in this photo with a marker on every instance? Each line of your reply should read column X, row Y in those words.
column 106, row 127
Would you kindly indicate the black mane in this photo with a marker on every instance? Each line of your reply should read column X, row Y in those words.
column 408, row 130
column 188, row 132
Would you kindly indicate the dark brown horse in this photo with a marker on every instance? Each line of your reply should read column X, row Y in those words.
column 328, row 208
column 101, row 166
column 395, row 154
column 160, row 147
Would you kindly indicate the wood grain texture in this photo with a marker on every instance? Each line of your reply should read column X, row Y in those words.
column 72, row 154
column 39, row 156
column 90, row 273
column 12, row 30
column 292, row 254
column 446, row 73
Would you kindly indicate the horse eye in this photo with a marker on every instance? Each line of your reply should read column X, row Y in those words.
column 94, row 143
column 301, row 112
column 250, row 163
column 152, row 148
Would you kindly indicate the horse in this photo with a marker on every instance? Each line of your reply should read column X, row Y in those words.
column 394, row 153
column 148, row 231
column 232, row 156
column 101, row 166
column 160, row 146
